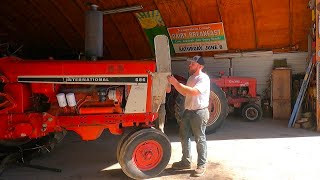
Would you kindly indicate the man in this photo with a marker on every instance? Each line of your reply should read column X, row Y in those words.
column 196, row 115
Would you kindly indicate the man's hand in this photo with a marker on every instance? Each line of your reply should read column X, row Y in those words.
column 183, row 89
column 172, row 80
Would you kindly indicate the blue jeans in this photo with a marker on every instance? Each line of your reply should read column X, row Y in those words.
column 194, row 122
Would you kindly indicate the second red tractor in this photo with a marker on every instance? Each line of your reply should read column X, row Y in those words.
column 228, row 93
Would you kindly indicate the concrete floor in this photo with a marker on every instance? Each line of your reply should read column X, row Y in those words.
column 261, row 150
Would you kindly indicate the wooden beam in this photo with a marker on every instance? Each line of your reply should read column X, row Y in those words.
column 22, row 25
column 317, row 19
column 60, row 24
column 41, row 29
column 188, row 11
column 73, row 14
column 290, row 23
column 254, row 24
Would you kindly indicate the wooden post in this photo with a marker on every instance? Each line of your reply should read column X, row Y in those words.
column 316, row 18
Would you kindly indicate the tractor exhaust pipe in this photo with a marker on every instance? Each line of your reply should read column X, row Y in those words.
column 94, row 33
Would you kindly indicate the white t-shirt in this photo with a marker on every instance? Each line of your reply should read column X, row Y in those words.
column 202, row 83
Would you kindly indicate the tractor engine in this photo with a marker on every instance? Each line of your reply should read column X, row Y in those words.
column 82, row 99
column 237, row 92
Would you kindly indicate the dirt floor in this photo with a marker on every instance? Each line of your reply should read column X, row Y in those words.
column 241, row 150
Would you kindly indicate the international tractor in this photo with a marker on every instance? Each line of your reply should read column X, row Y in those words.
column 39, row 99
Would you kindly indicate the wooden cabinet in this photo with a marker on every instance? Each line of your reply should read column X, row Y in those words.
column 281, row 93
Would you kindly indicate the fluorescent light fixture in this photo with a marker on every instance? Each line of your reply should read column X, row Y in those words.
column 257, row 53
column 243, row 54
column 179, row 58
column 227, row 55
column 121, row 10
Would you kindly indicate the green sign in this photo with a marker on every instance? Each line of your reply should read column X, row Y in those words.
column 152, row 24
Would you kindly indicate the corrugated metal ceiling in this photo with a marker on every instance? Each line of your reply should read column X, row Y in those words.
column 56, row 27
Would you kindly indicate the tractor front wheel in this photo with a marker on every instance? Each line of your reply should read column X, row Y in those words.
column 252, row 112
column 124, row 138
column 145, row 154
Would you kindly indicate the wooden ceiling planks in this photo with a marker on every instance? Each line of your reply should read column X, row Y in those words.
column 73, row 14
column 42, row 30
column 22, row 25
column 130, row 30
column 174, row 12
column 238, row 21
column 248, row 24
column 300, row 24
column 147, row 5
column 9, row 30
column 60, row 23
column 203, row 11
column 272, row 23
column 114, row 41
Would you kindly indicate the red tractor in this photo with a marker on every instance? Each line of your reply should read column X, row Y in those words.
column 42, row 98
column 227, row 94
column 39, row 99
column 241, row 93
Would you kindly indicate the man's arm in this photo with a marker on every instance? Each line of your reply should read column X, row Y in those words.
column 181, row 88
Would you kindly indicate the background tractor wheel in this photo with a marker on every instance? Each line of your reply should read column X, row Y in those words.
column 252, row 112
column 145, row 154
column 218, row 109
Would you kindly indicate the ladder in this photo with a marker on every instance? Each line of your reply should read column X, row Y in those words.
column 301, row 94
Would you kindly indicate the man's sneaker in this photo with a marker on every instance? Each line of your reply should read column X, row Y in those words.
column 181, row 165
column 200, row 171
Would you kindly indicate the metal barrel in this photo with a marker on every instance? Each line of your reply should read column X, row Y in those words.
column 94, row 33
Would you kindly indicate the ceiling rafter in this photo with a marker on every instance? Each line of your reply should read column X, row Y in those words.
column 254, row 24
column 290, row 23
column 249, row 24
column 38, row 8
column 105, row 6
column 74, row 22
column 188, row 11
column 18, row 19
column 140, row 29
column 41, row 28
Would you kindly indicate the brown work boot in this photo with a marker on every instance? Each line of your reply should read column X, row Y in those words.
column 200, row 171
column 181, row 165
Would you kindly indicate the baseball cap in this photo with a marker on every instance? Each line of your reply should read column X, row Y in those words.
column 197, row 59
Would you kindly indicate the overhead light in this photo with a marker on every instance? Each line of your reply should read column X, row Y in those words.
column 257, row 53
column 227, row 55
column 121, row 10
column 179, row 58
column 243, row 54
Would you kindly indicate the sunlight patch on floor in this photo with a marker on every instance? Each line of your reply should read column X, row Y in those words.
column 112, row 167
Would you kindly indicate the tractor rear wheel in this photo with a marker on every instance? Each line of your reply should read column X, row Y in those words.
column 145, row 154
column 252, row 112
column 218, row 109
